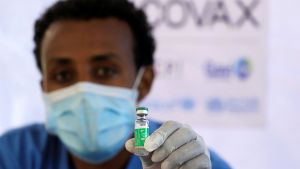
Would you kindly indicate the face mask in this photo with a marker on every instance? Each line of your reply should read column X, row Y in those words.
column 93, row 121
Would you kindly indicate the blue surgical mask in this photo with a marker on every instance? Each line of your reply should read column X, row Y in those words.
column 93, row 121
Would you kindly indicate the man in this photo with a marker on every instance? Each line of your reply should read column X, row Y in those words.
column 96, row 60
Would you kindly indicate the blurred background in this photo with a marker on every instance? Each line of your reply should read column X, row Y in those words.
column 228, row 68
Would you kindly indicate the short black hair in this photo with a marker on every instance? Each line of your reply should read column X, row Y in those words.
column 144, row 44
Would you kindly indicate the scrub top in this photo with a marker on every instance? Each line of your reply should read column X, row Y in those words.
column 32, row 147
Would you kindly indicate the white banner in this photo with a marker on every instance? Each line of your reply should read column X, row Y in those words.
column 211, row 61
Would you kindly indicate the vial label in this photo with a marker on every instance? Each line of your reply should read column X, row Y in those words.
column 141, row 133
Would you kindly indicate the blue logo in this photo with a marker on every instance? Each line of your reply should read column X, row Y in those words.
column 241, row 69
column 214, row 105
column 232, row 105
column 184, row 104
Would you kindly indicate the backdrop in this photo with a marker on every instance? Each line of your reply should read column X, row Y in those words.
column 212, row 57
column 227, row 67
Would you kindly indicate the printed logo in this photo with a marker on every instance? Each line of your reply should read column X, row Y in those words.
column 177, row 13
column 241, row 69
column 233, row 105
column 169, row 69
column 182, row 104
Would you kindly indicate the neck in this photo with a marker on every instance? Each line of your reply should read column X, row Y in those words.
column 118, row 162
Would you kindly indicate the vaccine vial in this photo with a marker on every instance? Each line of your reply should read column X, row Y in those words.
column 141, row 131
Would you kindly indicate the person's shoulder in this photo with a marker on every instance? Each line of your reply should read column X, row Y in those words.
column 30, row 147
column 33, row 135
column 217, row 162
column 153, row 125
column 32, row 130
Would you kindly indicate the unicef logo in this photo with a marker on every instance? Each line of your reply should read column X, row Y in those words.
column 214, row 105
column 242, row 68
column 233, row 104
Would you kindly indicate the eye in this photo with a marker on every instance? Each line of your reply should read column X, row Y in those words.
column 105, row 72
column 63, row 76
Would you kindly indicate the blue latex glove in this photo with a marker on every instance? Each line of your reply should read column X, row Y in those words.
column 174, row 146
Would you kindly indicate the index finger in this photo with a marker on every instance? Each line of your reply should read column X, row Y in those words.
column 157, row 138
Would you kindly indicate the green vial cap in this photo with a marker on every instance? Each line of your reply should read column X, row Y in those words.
column 142, row 110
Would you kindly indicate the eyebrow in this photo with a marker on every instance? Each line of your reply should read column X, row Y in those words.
column 96, row 58
column 103, row 57
column 60, row 60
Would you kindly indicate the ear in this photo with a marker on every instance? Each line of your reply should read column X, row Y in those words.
column 42, row 84
column 146, row 82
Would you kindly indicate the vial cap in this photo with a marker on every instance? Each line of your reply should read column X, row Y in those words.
column 142, row 110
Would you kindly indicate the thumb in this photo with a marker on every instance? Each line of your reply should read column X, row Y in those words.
column 129, row 145
column 146, row 160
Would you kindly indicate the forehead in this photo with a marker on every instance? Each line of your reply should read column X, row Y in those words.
column 87, row 38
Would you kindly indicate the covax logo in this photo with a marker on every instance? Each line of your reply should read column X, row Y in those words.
column 241, row 69
column 177, row 13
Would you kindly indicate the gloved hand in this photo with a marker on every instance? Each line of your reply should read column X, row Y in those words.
column 174, row 146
